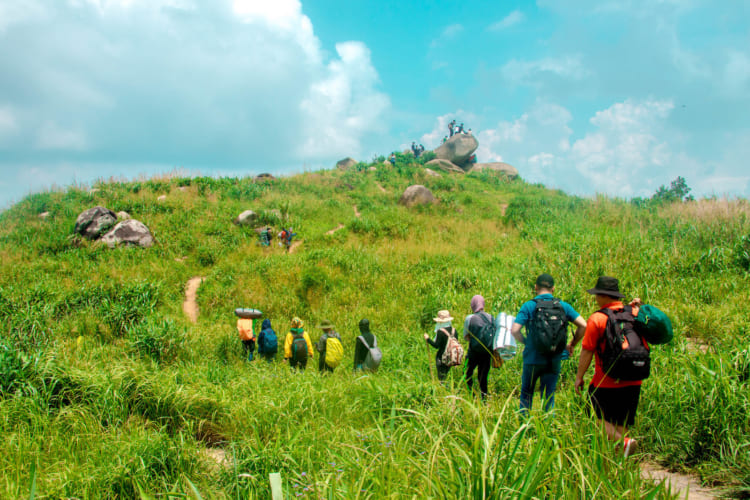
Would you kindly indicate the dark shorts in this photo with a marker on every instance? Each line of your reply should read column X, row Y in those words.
column 616, row 406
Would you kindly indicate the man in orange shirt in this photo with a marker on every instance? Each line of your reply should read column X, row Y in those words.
column 615, row 401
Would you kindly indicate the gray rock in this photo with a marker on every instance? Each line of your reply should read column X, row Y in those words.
column 123, row 215
column 458, row 149
column 44, row 215
column 416, row 195
column 373, row 169
column 346, row 163
column 264, row 177
column 246, row 218
column 498, row 167
column 445, row 165
column 129, row 232
column 431, row 173
column 94, row 222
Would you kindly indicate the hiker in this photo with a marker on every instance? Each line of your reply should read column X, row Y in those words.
column 392, row 159
column 297, row 345
column 329, row 346
column 443, row 332
column 285, row 238
column 364, row 343
column 450, row 127
column 268, row 344
column 546, row 320
column 615, row 400
column 468, row 132
column 414, row 149
column 265, row 236
column 460, row 129
column 445, row 138
column 479, row 356
column 247, row 336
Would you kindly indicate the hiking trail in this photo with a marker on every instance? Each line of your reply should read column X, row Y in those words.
column 681, row 484
column 190, row 306
column 341, row 226
column 356, row 212
column 294, row 246
column 382, row 189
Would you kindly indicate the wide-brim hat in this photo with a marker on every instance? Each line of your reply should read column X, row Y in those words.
column 326, row 325
column 443, row 317
column 606, row 285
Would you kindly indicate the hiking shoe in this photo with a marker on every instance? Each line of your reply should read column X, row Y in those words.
column 629, row 446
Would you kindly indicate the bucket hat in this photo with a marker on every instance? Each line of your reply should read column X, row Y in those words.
column 326, row 325
column 606, row 285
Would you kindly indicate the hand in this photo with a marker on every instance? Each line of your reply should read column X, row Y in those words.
column 426, row 337
column 569, row 347
column 636, row 302
column 579, row 384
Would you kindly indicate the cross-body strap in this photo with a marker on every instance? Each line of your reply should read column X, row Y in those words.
column 362, row 338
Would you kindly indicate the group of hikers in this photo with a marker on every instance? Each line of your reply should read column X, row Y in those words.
column 265, row 235
column 454, row 129
column 417, row 149
column 611, row 336
column 298, row 348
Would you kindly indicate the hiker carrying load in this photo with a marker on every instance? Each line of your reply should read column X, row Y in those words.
column 479, row 330
column 367, row 354
column 546, row 343
column 297, row 345
column 330, row 348
column 449, row 350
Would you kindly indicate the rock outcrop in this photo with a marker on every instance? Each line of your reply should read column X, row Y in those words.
column 416, row 195
column 498, row 167
column 445, row 165
column 346, row 163
column 246, row 218
column 431, row 173
column 458, row 149
column 263, row 177
column 129, row 232
column 94, row 222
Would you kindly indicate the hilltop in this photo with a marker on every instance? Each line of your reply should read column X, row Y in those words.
column 108, row 389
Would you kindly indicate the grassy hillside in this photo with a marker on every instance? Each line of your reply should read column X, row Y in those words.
column 107, row 390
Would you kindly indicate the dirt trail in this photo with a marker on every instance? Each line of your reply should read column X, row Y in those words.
column 294, row 246
column 686, row 486
column 190, row 306
column 503, row 208
column 340, row 226
column 380, row 187
column 356, row 212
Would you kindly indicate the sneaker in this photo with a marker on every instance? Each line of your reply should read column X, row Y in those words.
column 629, row 446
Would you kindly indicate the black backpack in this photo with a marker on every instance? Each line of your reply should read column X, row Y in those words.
column 299, row 347
column 482, row 341
column 548, row 328
column 624, row 354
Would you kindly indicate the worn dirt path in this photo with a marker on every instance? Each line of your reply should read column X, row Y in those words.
column 190, row 306
column 686, row 486
column 356, row 212
column 340, row 226
column 381, row 187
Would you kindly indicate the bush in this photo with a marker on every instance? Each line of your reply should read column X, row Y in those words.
column 158, row 339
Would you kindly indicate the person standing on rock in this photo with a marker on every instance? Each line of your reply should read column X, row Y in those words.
column 450, row 128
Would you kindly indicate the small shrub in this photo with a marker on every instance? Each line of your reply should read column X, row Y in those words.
column 16, row 370
column 159, row 340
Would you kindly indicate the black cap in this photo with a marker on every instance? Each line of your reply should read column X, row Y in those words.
column 606, row 285
column 545, row 281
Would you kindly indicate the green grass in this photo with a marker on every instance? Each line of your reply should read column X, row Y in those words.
column 106, row 390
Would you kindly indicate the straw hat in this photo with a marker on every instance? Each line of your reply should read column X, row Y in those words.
column 443, row 317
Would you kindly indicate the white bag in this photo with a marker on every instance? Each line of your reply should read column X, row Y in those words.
column 504, row 343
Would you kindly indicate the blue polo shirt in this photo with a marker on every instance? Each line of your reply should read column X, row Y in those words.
column 530, row 354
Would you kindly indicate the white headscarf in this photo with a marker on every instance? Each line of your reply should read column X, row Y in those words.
column 445, row 324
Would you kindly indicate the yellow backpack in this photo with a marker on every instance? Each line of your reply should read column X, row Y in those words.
column 334, row 352
column 245, row 328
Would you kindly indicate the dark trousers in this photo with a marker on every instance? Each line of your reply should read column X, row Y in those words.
column 300, row 365
column 483, row 362
column 322, row 366
column 442, row 370
column 249, row 346
column 547, row 375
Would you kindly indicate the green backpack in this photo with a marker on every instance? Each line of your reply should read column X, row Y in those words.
column 299, row 348
column 653, row 325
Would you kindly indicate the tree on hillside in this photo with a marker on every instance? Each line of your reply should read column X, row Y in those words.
column 678, row 190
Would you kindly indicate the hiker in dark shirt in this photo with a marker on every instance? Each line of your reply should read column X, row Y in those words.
column 478, row 357
column 451, row 126
column 443, row 328
column 360, row 350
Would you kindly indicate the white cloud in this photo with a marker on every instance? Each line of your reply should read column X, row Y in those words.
column 449, row 33
column 569, row 67
column 512, row 19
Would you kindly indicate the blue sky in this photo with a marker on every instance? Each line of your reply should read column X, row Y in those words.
column 590, row 96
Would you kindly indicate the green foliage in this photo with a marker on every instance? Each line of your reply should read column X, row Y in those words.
column 158, row 339
column 17, row 371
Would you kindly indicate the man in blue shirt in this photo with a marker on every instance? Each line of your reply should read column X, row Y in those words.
column 538, row 366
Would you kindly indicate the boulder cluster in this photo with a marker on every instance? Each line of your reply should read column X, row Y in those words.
column 100, row 223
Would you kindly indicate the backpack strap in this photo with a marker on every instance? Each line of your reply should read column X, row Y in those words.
column 362, row 338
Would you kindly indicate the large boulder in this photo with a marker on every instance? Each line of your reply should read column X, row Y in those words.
column 458, row 149
column 263, row 177
column 445, row 165
column 346, row 163
column 498, row 167
column 94, row 222
column 416, row 195
column 129, row 232
column 246, row 218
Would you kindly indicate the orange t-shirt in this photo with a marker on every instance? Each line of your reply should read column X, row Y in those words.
column 592, row 341
column 245, row 328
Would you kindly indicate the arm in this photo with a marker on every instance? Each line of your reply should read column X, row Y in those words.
column 310, row 351
column 583, row 365
column 288, row 346
column 432, row 342
column 515, row 330
column 466, row 327
column 580, row 330
column 321, row 344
